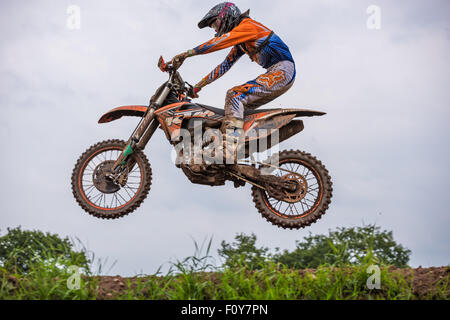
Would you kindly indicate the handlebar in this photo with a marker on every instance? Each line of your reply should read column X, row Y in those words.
column 175, row 77
column 164, row 66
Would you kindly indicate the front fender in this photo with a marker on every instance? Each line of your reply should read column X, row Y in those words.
column 119, row 112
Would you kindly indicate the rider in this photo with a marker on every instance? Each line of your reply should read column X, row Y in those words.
column 263, row 46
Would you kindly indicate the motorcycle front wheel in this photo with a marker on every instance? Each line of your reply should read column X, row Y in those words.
column 97, row 194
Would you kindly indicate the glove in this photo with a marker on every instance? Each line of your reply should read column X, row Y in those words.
column 194, row 92
column 178, row 60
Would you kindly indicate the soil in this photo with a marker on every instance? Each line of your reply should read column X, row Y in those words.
column 424, row 281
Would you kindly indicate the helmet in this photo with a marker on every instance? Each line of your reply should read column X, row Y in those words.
column 227, row 13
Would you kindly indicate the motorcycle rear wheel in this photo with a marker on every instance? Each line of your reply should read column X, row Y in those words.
column 98, row 195
column 305, row 206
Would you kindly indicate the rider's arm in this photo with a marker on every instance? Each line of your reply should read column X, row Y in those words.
column 246, row 31
column 222, row 68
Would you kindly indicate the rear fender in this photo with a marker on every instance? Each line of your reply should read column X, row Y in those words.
column 277, row 118
column 263, row 125
column 119, row 112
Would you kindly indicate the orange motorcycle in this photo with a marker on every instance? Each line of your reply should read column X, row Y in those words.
column 291, row 189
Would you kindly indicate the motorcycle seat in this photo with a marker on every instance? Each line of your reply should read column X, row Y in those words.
column 221, row 112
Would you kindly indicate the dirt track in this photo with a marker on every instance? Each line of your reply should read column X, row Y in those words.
column 424, row 282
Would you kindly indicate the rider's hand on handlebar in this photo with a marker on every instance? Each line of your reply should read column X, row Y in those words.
column 178, row 60
column 193, row 93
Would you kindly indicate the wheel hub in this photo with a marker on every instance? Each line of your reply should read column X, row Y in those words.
column 101, row 181
column 299, row 189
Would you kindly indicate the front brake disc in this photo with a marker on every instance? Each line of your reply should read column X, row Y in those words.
column 101, row 181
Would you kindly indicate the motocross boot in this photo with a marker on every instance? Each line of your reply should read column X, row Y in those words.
column 196, row 163
column 232, row 131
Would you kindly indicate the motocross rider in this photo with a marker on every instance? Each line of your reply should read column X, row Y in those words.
column 245, row 36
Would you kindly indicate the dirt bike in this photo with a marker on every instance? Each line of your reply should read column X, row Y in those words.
column 113, row 177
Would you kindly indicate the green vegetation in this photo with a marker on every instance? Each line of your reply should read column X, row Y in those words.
column 342, row 272
column 37, row 265
column 343, row 247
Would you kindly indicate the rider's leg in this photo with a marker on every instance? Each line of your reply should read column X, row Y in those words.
column 253, row 94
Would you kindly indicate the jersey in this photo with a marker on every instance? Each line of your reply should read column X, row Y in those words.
column 244, row 39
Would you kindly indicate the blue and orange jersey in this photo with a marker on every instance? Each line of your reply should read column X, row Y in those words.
column 244, row 39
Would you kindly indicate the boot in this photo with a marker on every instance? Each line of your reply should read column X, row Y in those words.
column 232, row 131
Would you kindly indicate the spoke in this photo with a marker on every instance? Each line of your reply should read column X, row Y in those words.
column 275, row 205
column 307, row 206
column 87, row 194
column 307, row 174
column 284, row 212
column 111, row 205
column 94, row 199
column 121, row 197
column 127, row 193
column 90, row 187
column 295, row 207
column 93, row 161
column 134, row 170
column 118, row 199
column 115, row 197
column 100, row 200
column 279, row 208
column 290, row 208
column 303, row 208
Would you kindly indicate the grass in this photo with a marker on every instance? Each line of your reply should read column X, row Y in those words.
column 196, row 277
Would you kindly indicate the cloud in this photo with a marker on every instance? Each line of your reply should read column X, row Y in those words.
column 383, row 139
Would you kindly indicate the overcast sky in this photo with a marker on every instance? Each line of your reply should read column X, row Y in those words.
column 385, row 138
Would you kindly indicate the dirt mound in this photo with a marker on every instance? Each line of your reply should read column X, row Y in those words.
column 423, row 282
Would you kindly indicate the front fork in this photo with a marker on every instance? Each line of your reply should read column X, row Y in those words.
column 138, row 140
column 125, row 163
